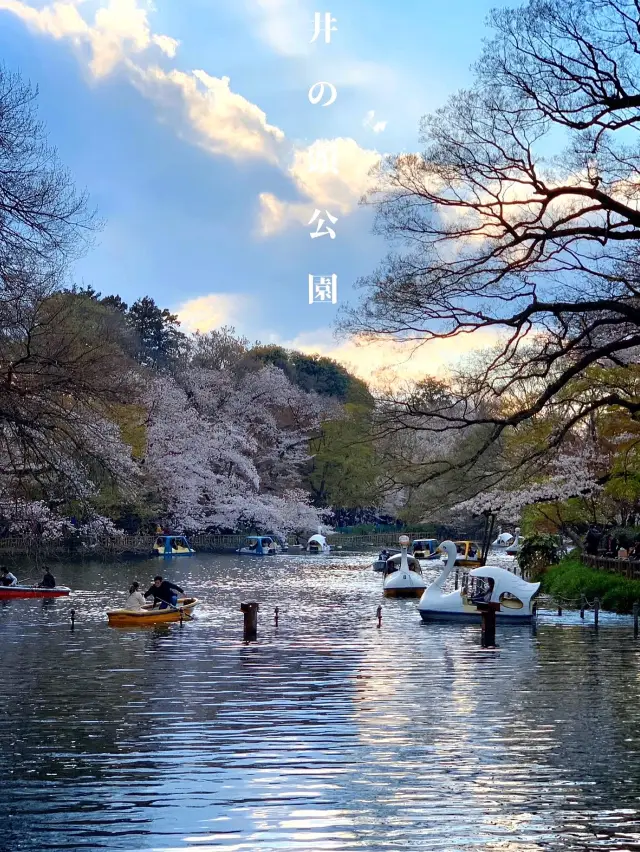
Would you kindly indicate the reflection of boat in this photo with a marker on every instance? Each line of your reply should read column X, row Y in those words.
column 258, row 545
column 403, row 574
column 380, row 562
column 425, row 548
column 468, row 554
column 172, row 545
column 7, row 592
column 152, row 615
column 503, row 540
column 514, row 595
column 318, row 544
column 515, row 548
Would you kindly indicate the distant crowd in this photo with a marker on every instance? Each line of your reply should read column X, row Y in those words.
column 599, row 543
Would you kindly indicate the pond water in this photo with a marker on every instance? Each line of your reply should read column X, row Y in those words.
column 325, row 734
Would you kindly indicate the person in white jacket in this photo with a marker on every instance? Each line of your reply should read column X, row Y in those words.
column 136, row 599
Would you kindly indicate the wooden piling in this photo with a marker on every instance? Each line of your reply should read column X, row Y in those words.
column 488, row 633
column 636, row 609
column 596, row 612
column 559, row 611
column 276, row 614
column 250, row 611
column 379, row 616
column 582, row 607
column 73, row 618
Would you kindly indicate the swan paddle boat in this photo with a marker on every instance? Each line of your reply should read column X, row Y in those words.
column 514, row 595
column 425, row 548
column 318, row 544
column 258, row 545
column 10, row 592
column 503, row 540
column 515, row 548
column 402, row 576
column 172, row 545
column 150, row 614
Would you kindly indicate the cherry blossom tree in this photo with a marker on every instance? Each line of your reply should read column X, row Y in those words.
column 227, row 454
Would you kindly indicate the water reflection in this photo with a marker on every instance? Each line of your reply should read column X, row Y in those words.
column 325, row 734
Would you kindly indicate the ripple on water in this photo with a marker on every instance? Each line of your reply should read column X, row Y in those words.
column 326, row 734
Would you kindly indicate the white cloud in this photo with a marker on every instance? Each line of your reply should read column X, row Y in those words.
column 338, row 193
column 119, row 29
column 203, row 109
column 376, row 126
column 215, row 118
column 205, row 313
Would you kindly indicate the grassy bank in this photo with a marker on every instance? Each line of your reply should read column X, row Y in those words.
column 571, row 578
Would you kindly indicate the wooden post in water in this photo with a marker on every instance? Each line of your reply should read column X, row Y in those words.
column 582, row 607
column 276, row 613
column 559, row 610
column 488, row 634
column 596, row 612
column 636, row 608
column 379, row 616
column 250, row 611
column 73, row 618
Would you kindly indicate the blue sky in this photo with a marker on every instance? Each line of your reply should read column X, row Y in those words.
column 205, row 185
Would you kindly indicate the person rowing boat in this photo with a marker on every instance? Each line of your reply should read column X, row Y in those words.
column 163, row 590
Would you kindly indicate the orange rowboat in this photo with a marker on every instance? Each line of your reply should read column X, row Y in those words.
column 152, row 615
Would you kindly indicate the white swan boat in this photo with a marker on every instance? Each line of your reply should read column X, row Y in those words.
column 318, row 544
column 514, row 595
column 403, row 574
column 515, row 548
column 503, row 540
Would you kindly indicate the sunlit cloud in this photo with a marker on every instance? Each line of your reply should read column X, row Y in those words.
column 339, row 193
column 205, row 313
column 384, row 361
column 203, row 109
column 119, row 29
column 212, row 116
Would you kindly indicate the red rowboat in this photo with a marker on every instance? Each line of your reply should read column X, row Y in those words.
column 7, row 592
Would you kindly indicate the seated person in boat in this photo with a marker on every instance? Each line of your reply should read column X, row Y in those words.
column 485, row 595
column 383, row 555
column 7, row 578
column 136, row 599
column 162, row 590
column 48, row 581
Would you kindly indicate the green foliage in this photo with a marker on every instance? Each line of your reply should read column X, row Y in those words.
column 537, row 552
column 571, row 578
column 344, row 468
column 315, row 373
column 156, row 329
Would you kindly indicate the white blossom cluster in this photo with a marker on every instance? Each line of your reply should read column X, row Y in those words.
column 228, row 453
column 571, row 475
